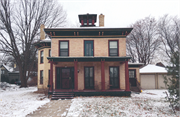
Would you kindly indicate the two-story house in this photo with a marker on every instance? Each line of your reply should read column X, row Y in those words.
column 86, row 60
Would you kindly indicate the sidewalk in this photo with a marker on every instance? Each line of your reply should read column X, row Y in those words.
column 55, row 108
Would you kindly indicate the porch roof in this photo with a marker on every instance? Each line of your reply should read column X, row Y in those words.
column 87, row 59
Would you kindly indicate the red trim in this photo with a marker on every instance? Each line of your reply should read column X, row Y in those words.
column 127, row 76
column 84, row 46
column 93, row 78
column 118, row 77
column 92, row 21
column 87, row 22
column 75, row 75
column 117, row 47
column 59, row 45
column 40, row 57
column 102, row 75
column 82, row 22
column 51, row 77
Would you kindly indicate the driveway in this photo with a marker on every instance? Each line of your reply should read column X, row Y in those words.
column 55, row 108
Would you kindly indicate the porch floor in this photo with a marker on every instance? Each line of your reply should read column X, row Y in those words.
column 114, row 92
column 86, row 90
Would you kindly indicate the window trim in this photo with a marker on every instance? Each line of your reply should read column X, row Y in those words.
column 84, row 46
column 41, row 59
column 117, row 47
column 93, row 78
column 118, row 77
column 63, row 41
column 41, row 73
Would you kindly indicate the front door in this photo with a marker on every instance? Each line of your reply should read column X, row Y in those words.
column 132, row 77
column 88, row 48
column 65, row 78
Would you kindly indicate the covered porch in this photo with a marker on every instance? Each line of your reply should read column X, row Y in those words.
column 76, row 81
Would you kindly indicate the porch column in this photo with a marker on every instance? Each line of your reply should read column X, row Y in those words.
column 127, row 76
column 51, row 77
column 75, row 75
column 102, row 75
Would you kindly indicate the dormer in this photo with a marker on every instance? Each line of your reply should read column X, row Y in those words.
column 87, row 20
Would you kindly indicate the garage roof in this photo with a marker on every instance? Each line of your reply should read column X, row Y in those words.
column 153, row 69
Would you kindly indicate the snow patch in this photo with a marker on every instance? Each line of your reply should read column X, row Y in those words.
column 153, row 69
column 19, row 102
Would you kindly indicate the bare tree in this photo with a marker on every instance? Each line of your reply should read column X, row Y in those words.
column 142, row 43
column 19, row 29
column 169, row 31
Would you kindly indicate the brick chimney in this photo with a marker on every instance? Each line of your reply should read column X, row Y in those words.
column 42, row 33
column 101, row 20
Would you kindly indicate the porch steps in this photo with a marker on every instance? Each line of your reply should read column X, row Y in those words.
column 62, row 95
column 135, row 89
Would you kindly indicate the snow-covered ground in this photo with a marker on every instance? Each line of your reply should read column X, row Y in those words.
column 18, row 102
column 150, row 103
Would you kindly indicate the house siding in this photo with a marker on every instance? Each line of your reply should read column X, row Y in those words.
column 76, row 46
column 45, row 66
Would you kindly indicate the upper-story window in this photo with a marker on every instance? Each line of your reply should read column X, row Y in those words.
column 88, row 48
column 2, row 72
column 41, row 54
column 113, row 48
column 64, row 48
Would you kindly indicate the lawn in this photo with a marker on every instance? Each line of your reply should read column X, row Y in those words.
column 18, row 102
column 150, row 103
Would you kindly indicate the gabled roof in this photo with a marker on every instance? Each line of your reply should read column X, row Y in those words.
column 153, row 69
column 9, row 69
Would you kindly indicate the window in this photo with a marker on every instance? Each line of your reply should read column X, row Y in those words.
column 49, row 77
column 85, row 21
column 90, row 21
column 132, row 73
column 89, row 77
column 41, row 77
column 2, row 72
column 113, row 48
column 41, row 54
column 49, row 52
column 88, row 48
column 64, row 48
column 114, row 77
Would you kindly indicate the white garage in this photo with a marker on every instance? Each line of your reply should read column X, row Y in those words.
column 152, row 77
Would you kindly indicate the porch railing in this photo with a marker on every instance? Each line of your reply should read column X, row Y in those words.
column 138, row 84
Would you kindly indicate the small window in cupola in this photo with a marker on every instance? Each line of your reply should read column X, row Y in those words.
column 87, row 20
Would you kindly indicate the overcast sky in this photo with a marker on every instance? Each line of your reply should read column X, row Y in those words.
column 120, row 13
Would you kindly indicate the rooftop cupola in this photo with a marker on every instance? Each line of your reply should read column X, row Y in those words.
column 87, row 20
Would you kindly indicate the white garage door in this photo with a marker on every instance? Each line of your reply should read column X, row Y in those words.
column 148, row 81
column 161, row 84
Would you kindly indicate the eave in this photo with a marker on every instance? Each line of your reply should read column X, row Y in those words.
column 88, row 59
column 85, row 32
